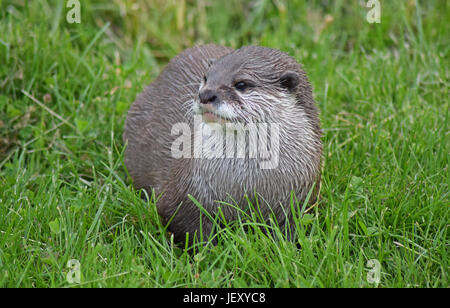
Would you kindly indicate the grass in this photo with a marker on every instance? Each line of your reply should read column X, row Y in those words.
column 64, row 194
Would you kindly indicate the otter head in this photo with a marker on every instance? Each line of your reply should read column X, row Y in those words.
column 252, row 84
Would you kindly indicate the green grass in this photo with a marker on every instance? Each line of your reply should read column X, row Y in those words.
column 64, row 194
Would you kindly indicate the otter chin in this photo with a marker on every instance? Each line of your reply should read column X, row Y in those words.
column 253, row 91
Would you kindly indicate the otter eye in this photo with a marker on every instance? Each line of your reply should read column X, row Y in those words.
column 241, row 85
column 204, row 78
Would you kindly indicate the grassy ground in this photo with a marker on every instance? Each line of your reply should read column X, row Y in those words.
column 65, row 90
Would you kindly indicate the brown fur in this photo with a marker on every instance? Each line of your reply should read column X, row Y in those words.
column 169, row 99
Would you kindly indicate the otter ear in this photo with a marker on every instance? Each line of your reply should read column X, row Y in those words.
column 289, row 80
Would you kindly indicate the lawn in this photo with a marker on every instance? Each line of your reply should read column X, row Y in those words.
column 65, row 88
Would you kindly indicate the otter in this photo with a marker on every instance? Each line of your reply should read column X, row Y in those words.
column 216, row 86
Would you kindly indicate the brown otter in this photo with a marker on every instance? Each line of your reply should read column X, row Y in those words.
column 224, row 86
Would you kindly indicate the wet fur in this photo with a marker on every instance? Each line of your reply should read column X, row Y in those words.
column 173, row 98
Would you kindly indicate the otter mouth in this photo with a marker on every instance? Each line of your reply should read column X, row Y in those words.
column 212, row 114
column 212, row 117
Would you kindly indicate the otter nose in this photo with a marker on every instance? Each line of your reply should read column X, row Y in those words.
column 208, row 97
